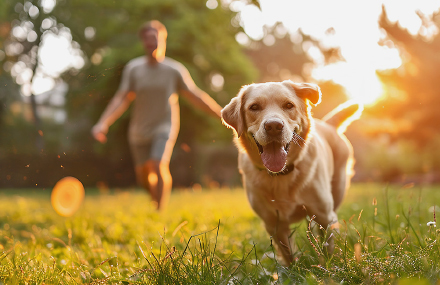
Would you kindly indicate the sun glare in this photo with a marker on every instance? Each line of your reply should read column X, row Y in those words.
column 359, row 75
column 57, row 54
column 361, row 84
column 356, row 33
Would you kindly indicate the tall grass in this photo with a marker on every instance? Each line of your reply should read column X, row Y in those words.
column 387, row 235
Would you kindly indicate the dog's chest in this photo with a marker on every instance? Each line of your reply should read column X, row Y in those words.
column 276, row 195
column 279, row 197
column 282, row 203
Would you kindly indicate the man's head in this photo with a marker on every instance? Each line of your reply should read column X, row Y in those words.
column 154, row 35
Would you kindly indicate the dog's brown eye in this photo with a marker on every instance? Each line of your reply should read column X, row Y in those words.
column 254, row 107
column 289, row 106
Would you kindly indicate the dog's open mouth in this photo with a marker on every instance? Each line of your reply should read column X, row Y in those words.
column 273, row 155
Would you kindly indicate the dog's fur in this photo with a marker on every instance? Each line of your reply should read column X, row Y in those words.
column 292, row 164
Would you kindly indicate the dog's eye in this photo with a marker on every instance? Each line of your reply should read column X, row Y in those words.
column 254, row 107
column 289, row 105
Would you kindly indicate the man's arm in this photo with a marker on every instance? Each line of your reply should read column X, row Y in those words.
column 202, row 101
column 117, row 106
column 194, row 94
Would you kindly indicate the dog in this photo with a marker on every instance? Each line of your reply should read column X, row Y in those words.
column 292, row 165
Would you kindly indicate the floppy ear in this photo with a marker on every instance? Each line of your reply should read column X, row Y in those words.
column 309, row 91
column 231, row 114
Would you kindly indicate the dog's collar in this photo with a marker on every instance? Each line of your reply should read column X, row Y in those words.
column 286, row 170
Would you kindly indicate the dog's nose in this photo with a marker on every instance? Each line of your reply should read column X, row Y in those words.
column 273, row 127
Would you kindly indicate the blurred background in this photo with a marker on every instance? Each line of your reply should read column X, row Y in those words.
column 61, row 63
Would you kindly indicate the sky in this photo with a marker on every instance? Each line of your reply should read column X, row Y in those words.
column 355, row 31
column 354, row 23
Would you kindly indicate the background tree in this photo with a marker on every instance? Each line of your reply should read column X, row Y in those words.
column 404, row 124
column 25, row 26
column 413, row 95
column 106, row 32
column 283, row 55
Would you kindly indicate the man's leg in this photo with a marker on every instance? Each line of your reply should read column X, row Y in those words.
column 140, row 153
column 159, row 182
column 158, row 171
column 142, row 173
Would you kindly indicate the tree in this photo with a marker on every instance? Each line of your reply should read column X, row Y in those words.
column 28, row 24
column 413, row 94
column 280, row 55
column 106, row 33
column 200, row 38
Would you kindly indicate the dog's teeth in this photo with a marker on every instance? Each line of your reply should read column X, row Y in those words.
column 286, row 148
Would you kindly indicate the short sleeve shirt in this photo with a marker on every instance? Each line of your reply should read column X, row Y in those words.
column 153, row 85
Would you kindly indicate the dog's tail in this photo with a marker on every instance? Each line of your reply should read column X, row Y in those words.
column 343, row 115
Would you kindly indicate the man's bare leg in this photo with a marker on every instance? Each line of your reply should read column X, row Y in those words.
column 166, row 184
column 155, row 177
column 145, row 179
column 158, row 180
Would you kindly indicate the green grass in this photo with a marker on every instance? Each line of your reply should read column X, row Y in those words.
column 213, row 237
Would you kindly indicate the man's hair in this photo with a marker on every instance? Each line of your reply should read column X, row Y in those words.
column 154, row 25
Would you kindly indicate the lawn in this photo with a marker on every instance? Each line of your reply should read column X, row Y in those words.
column 213, row 237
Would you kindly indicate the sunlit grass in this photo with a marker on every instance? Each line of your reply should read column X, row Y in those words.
column 213, row 237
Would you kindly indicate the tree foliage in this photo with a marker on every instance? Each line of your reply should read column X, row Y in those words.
column 280, row 55
column 106, row 31
column 413, row 96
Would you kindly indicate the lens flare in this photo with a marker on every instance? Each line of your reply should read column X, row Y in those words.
column 67, row 196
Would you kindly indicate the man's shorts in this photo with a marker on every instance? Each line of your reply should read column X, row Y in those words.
column 151, row 150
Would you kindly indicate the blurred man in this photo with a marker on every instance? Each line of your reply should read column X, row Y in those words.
column 152, row 82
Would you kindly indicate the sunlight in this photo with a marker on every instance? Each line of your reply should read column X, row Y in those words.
column 252, row 21
column 57, row 53
column 361, row 84
column 404, row 12
column 358, row 75
column 41, row 83
column 356, row 33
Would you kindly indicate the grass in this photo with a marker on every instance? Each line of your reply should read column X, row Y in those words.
column 213, row 237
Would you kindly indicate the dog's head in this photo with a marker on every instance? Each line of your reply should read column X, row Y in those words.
column 269, row 117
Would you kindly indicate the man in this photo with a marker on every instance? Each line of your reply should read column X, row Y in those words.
column 152, row 82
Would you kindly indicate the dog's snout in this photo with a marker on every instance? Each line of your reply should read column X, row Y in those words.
column 273, row 127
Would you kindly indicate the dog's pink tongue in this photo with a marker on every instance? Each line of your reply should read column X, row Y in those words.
column 274, row 157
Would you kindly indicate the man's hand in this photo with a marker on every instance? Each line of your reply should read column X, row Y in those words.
column 99, row 132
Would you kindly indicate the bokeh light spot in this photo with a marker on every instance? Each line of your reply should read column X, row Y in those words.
column 67, row 196
column 212, row 4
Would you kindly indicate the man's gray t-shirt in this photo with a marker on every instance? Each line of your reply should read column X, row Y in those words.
column 153, row 85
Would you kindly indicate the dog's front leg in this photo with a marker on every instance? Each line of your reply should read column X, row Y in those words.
column 280, row 233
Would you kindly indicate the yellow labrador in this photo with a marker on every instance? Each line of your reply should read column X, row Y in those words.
column 292, row 164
